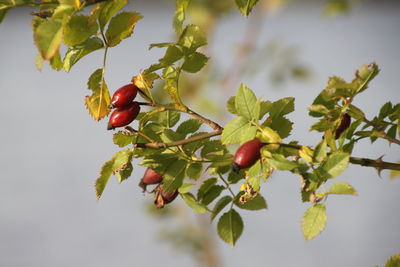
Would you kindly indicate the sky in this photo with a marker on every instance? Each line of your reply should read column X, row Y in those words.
column 51, row 150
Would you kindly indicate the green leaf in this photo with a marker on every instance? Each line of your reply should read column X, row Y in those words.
column 281, row 125
column 125, row 173
column 169, row 135
column 320, row 151
column 392, row 131
column 172, row 54
column 233, row 177
column 56, row 62
column 269, row 136
column 230, row 227
column 192, row 38
column 282, row 107
column 257, row 203
column 119, row 162
column 334, row 165
column 194, row 170
column 64, row 10
column 144, row 81
column 364, row 75
column 123, row 138
column 161, row 45
column 245, row 6
column 355, row 112
column 98, row 103
column 179, row 16
column 121, row 26
column 319, row 100
column 207, row 184
column 281, row 163
column 174, row 174
column 191, row 202
column 322, row 125
column 166, row 118
column 78, row 29
column 160, row 162
column 342, row 188
column 265, row 107
column 385, row 110
column 318, row 110
column 230, row 105
column 171, row 76
column 246, row 103
column 211, row 147
column 189, row 126
column 3, row 13
column 394, row 261
column 306, row 153
column 105, row 173
column 191, row 147
column 212, row 194
column 314, row 221
column 220, row 205
column 194, row 62
column 48, row 36
column 74, row 54
column 185, row 188
column 108, row 9
column 235, row 129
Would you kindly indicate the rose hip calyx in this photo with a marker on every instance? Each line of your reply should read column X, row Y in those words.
column 161, row 197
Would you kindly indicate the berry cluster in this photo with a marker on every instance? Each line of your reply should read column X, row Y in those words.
column 126, row 109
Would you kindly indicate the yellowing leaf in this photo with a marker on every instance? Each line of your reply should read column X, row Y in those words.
column 120, row 162
column 144, row 81
column 306, row 153
column 342, row 188
column 97, row 104
column 245, row 6
column 314, row 221
column 78, row 29
column 121, row 26
column 48, row 37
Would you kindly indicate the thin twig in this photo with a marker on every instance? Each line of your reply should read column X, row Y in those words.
column 180, row 142
column 194, row 114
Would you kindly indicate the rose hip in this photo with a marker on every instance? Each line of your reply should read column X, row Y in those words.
column 123, row 116
column 247, row 155
column 124, row 96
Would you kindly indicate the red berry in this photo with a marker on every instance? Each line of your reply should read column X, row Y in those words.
column 247, row 155
column 124, row 96
column 345, row 122
column 162, row 197
column 150, row 177
column 123, row 116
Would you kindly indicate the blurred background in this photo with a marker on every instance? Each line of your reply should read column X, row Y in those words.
column 51, row 150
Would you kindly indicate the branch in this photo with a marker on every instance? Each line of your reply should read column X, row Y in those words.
column 197, row 116
column 378, row 164
column 180, row 142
